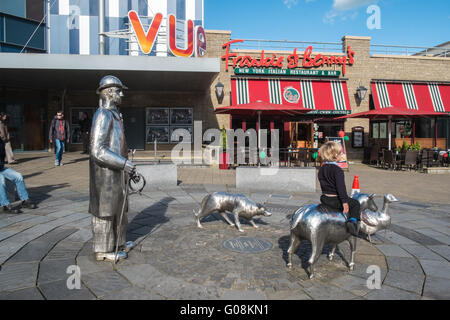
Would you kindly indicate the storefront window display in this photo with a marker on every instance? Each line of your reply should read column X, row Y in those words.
column 161, row 122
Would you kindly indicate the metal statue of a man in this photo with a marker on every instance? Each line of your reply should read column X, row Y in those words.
column 109, row 169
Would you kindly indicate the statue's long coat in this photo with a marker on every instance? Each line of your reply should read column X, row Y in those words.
column 108, row 156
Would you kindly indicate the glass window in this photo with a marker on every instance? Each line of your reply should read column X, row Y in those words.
column 375, row 130
column 383, row 130
column 424, row 128
column 13, row 7
column 2, row 29
column 402, row 129
column 19, row 31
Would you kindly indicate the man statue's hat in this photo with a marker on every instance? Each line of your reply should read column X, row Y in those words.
column 108, row 82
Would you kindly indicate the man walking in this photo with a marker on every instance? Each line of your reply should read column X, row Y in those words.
column 109, row 170
column 60, row 133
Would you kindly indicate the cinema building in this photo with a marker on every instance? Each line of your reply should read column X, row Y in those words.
column 177, row 73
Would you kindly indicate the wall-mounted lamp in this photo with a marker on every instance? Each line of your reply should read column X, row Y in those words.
column 220, row 92
column 361, row 92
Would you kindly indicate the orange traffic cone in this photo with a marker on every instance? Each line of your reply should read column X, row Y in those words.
column 355, row 187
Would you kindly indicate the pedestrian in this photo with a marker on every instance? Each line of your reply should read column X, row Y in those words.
column 332, row 183
column 60, row 134
column 85, row 128
column 4, row 135
column 14, row 176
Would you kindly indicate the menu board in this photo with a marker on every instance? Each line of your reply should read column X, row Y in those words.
column 358, row 139
column 343, row 163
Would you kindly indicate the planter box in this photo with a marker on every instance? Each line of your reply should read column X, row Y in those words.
column 273, row 179
column 158, row 175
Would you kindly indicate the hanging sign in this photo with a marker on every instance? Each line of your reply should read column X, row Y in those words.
column 195, row 43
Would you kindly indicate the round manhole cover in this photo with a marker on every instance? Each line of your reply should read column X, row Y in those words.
column 247, row 245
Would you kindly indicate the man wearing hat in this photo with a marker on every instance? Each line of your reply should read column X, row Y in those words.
column 109, row 169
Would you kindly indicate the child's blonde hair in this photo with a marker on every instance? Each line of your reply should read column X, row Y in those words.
column 330, row 151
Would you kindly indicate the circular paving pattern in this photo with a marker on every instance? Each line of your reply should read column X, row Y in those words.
column 219, row 255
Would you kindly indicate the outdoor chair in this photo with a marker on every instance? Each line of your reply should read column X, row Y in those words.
column 302, row 157
column 374, row 154
column 426, row 158
column 388, row 159
column 411, row 159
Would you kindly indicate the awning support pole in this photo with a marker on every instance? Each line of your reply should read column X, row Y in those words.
column 390, row 134
column 435, row 132
column 259, row 136
column 414, row 131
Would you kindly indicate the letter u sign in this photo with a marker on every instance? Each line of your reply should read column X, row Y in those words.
column 194, row 36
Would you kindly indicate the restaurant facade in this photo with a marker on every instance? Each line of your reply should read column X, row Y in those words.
column 307, row 90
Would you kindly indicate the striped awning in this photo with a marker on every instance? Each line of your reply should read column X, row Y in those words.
column 405, row 95
column 320, row 96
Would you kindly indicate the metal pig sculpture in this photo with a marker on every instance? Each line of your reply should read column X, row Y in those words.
column 321, row 225
column 238, row 204
column 374, row 220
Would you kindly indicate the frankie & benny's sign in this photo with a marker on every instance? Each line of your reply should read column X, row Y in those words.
column 195, row 43
column 292, row 61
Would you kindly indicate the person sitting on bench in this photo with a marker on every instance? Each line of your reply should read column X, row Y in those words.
column 16, row 177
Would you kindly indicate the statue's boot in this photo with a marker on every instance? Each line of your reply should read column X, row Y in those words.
column 128, row 246
column 110, row 256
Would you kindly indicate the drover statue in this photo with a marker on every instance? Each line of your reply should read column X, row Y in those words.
column 109, row 170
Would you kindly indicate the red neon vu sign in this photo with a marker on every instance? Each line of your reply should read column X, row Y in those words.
column 195, row 37
column 292, row 61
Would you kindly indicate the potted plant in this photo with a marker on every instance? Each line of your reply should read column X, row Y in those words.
column 224, row 157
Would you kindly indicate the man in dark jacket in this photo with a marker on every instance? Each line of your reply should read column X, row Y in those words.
column 60, row 133
column 16, row 177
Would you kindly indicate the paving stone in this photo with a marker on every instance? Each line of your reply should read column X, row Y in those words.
column 58, row 290
column 19, row 275
column 438, row 269
column 133, row 293
column 288, row 295
column 242, row 295
column 4, row 234
column 353, row 284
column 404, row 264
column 413, row 235
column 103, row 283
column 52, row 270
column 390, row 293
column 360, row 270
column 437, row 288
column 412, row 282
column 422, row 252
column 23, row 294
column 89, row 265
column 328, row 292
column 36, row 250
column 391, row 250
column 443, row 251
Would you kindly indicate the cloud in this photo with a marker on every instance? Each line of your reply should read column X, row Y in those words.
column 345, row 10
column 290, row 3
column 344, row 5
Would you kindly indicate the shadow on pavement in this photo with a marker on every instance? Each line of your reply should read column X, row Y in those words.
column 148, row 220
column 42, row 193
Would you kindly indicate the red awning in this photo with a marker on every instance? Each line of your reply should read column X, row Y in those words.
column 315, row 96
column 426, row 97
column 264, row 107
column 393, row 113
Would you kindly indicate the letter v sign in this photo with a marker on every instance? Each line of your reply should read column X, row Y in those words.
column 146, row 41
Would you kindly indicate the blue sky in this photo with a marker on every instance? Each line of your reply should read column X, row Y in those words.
column 403, row 22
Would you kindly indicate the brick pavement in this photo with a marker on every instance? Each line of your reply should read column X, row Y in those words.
column 175, row 260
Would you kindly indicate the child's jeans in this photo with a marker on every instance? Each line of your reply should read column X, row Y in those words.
column 354, row 208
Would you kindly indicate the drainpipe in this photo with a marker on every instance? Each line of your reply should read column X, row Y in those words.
column 48, row 26
column 101, row 27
